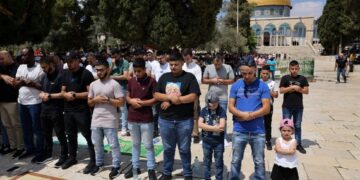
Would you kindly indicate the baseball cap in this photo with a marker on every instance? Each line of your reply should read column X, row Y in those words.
column 287, row 122
column 72, row 55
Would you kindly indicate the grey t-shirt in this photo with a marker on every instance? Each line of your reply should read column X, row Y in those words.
column 225, row 72
column 105, row 115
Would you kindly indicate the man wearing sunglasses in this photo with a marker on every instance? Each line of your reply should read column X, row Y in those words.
column 249, row 101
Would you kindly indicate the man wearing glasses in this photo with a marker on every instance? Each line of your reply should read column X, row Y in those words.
column 249, row 101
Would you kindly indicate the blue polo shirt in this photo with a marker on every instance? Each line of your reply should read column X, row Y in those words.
column 248, row 99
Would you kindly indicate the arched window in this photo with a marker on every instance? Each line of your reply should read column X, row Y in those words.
column 270, row 28
column 257, row 29
column 299, row 30
column 284, row 29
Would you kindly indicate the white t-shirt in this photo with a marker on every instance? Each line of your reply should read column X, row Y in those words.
column 194, row 69
column 92, row 70
column 29, row 95
column 160, row 69
column 287, row 161
column 105, row 115
column 272, row 87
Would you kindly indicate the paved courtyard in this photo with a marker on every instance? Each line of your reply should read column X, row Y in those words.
column 331, row 136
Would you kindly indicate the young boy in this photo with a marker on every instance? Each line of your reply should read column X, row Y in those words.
column 293, row 86
column 265, row 77
column 141, row 123
column 212, row 122
column 105, row 96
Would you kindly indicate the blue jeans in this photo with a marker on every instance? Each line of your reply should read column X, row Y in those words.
column 297, row 114
column 176, row 133
column 97, row 137
column 144, row 132
column 224, row 105
column 4, row 136
column 272, row 75
column 124, row 114
column 341, row 71
column 257, row 144
column 31, row 126
column 218, row 149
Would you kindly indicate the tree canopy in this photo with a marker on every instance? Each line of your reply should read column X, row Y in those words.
column 162, row 23
column 339, row 23
column 25, row 20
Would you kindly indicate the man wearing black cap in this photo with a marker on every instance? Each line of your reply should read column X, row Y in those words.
column 249, row 101
column 75, row 86
column 120, row 73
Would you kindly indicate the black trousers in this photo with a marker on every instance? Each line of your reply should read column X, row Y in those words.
column 268, row 121
column 53, row 119
column 81, row 121
column 281, row 173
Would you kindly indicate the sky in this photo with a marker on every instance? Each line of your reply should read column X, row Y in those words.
column 307, row 8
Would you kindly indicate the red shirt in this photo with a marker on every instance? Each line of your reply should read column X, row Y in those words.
column 144, row 90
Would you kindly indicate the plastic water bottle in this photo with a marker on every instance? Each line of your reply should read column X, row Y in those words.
column 196, row 167
column 156, row 140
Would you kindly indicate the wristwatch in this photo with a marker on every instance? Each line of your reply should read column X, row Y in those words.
column 74, row 95
column 49, row 96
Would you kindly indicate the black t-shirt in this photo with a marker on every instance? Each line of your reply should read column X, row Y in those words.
column 52, row 84
column 212, row 118
column 77, row 82
column 293, row 99
column 341, row 62
column 180, row 86
column 7, row 92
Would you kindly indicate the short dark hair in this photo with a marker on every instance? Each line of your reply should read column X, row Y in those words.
column 187, row 51
column 139, row 63
column 293, row 63
column 176, row 56
column 102, row 62
column 47, row 60
column 219, row 57
column 266, row 68
column 115, row 51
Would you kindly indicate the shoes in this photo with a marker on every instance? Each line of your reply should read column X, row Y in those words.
column 5, row 149
column 337, row 82
column 268, row 145
column 61, row 161
column 18, row 153
column 41, row 158
column 152, row 174
column 188, row 177
column 68, row 163
column 301, row 149
column 96, row 170
column 89, row 168
column 129, row 173
column 124, row 133
column 165, row 177
column 26, row 154
column 196, row 139
column 227, row 143
column 115, row 171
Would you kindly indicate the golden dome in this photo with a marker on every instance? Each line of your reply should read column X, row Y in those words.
column 271, row 2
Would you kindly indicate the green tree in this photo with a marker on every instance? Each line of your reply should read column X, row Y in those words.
column 339, row 23
column 24, row 20
column 162, row 23
column 72, row 24
column 245, row 11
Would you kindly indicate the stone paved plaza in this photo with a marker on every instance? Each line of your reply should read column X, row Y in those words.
column 331, row 136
